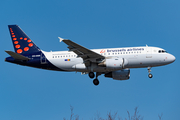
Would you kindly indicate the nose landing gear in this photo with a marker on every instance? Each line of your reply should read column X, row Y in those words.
column 149, row 71
column 150, row 75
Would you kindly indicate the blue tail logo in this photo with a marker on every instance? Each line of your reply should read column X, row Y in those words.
column 21, row 42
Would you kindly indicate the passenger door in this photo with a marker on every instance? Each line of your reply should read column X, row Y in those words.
column 148, row 52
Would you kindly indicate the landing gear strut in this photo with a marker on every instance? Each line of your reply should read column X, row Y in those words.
column 149, row 71
column 96, row 81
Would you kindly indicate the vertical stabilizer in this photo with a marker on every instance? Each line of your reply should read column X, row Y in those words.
column 21, row 42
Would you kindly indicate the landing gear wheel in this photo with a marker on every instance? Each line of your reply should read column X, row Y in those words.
column 96, row 82
column 149, row 71
column 150, row 75
column 91, row 75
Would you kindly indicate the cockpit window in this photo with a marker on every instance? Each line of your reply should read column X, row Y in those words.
column 162, row 51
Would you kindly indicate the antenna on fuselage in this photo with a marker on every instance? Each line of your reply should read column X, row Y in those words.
column 146, row 45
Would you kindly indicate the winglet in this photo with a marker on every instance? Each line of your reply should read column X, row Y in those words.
column 60, row 39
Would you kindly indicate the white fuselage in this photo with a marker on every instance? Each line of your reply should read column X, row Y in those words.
column 137, row 57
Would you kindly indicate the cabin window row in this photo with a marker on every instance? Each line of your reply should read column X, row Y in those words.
column 64, row 56
column 119, row 53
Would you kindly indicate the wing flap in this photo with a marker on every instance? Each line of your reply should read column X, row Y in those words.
column 16, row 56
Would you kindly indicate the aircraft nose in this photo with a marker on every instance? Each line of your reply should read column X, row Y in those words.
column 172, row 58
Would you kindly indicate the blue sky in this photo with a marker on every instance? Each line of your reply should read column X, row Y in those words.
column 34, row 94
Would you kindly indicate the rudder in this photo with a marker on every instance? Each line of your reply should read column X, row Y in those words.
column 21, row 42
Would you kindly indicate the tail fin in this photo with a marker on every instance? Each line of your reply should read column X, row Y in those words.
column 21, row 42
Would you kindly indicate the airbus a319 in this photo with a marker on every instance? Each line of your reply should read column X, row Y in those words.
column 114, row 63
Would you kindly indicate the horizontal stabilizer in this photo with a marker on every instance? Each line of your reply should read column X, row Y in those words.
column 17, row 56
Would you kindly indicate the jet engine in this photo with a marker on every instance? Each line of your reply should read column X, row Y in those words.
column 114, row 63
column 119, row 74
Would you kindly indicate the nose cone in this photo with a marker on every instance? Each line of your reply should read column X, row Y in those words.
column 171, row 58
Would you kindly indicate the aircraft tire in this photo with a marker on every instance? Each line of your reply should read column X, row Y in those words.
column 96, row 82
column 91, row 75
column 150, row 75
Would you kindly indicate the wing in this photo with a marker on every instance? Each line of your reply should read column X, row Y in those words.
column 86, row 54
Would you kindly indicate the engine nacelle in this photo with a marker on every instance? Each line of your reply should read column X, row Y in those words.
column 80, row 66
column 114, row 63
column 119, row 74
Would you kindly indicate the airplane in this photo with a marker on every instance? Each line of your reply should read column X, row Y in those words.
column 114, row 63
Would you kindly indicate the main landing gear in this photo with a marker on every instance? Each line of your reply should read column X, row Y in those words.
column 149, row 71
column 91, row 75
column 95, row 81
